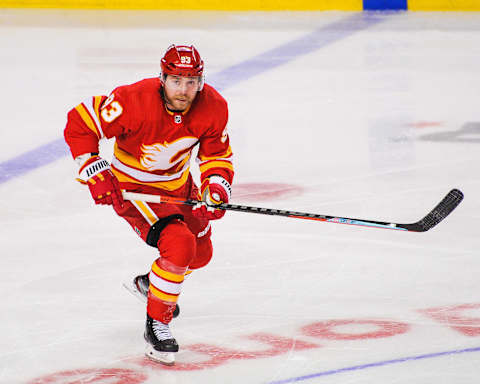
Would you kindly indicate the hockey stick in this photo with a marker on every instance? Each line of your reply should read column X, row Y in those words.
column 435, row 216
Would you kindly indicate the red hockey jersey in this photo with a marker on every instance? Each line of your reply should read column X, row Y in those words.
column 153, row 146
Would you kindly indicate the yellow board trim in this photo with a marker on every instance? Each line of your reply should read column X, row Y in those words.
column 170, row 276
column 243, row 5
column 86, row 118
column 220, row 5
column 444, row 5
column 162, row 296
column 216, row 164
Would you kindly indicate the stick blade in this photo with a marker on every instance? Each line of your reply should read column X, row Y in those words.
column 437, row 214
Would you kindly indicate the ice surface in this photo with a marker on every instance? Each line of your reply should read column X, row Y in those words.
column 369, row 116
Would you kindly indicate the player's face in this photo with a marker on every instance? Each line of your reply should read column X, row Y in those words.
column 180, row 91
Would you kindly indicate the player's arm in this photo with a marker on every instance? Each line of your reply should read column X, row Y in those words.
column 216, row 170
column 87, row 124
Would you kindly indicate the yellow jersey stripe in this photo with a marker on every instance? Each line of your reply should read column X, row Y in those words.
column 126, row 158
column 216, row 164
column 145, row 216
column 167, row 185
column 228, row 153
column 82, row 111
column 170, row 276
column 152, row 218
column 97, row 100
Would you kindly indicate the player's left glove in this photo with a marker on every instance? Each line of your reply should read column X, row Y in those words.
column 215, row 190
column 103, row 185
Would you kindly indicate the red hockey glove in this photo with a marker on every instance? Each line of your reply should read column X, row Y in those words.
column 103, row 184
column 215, row 190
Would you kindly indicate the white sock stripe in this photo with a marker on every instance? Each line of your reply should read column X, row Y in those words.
column 165, row 286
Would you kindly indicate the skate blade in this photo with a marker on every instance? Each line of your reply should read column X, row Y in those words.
column 166, row 358
column 130, row 287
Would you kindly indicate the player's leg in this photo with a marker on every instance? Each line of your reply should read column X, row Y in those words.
column 141, row 216
column 177, row 246
column 202, row 256
column 161, row 226
column 141, row 285
column 202, row 231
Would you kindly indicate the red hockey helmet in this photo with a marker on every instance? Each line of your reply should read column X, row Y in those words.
column 182, row 60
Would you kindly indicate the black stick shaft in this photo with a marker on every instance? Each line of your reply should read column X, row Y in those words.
column 435, row 216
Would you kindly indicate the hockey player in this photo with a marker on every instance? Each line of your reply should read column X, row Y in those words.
column 156, row 124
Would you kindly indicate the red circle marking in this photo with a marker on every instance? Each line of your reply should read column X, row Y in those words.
column 93, row 376
column 326, row 329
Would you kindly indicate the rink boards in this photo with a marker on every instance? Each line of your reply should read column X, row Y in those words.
column 252, row 5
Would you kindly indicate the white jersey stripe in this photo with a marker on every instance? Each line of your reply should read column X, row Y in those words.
column 146, row 177
column 89, row 105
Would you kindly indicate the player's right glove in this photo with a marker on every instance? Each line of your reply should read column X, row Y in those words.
column 103, row 185
column 215, row 190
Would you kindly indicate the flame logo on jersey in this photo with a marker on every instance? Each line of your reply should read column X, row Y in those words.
column 161, row 157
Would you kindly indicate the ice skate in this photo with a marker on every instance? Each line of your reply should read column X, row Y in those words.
column 139, row 288
column 161, row 346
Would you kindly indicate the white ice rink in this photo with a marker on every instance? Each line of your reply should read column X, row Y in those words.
column 373, row 116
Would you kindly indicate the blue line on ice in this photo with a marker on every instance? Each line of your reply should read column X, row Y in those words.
column 283, row 54
column 372, row 365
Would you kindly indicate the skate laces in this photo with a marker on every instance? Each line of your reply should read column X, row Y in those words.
column 161, row 331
